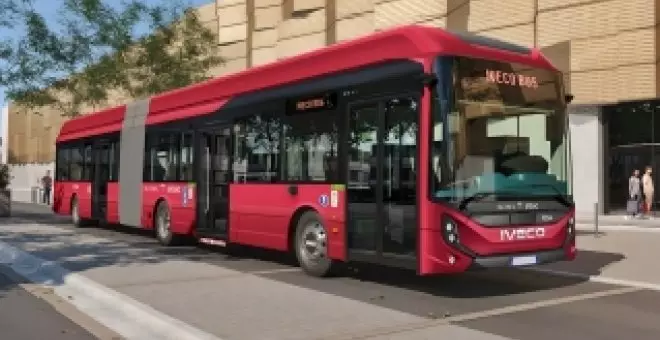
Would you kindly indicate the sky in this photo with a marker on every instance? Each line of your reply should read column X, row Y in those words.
column 48, row 8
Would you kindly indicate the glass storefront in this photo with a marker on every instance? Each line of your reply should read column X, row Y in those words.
column 632, row 141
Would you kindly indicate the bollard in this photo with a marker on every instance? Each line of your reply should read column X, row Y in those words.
column 596, row 232
column 34, row 194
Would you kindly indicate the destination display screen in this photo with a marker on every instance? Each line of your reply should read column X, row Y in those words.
column 313, row 103
column 497, row 82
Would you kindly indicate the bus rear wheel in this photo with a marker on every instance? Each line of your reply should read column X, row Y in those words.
column 311, row 245
column 163, row 225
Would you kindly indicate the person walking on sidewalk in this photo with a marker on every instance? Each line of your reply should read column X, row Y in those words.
column 47, row 184
column 634, row 194
column 648, row 190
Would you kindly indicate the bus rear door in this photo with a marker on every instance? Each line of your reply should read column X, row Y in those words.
column 213, row 177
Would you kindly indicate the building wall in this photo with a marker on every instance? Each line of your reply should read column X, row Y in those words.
column 587, row 155
column 607, row 49
column 4, row 127
column 26, row 181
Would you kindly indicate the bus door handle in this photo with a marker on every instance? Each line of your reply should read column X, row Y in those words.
column 293, row 190
column 207, row 155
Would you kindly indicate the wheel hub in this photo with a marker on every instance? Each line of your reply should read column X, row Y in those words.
column 314, row 245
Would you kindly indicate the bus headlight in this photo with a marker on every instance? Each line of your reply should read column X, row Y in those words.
column 450, row 230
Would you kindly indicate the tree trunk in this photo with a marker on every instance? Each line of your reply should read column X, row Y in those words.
column 5, row 202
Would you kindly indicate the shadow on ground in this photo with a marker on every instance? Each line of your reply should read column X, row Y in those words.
column 93, row 247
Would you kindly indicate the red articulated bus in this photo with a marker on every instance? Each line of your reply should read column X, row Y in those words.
column 413, row 147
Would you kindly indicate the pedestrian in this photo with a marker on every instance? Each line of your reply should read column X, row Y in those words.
column 47, row 183
column 634, row 194
column 647, row 190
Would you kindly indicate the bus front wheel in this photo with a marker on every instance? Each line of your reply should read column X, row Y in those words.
column 311, row 245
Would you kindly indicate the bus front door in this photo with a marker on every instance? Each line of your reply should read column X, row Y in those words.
column 214, row 176
column 382, row 215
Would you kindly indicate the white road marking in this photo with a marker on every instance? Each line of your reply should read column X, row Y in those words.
column 599, row 279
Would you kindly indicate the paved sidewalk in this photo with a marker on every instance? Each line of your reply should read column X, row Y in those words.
column 145, row 295
column 144, row 292
column 619, row 220
column 21, row 308
column 623, row 253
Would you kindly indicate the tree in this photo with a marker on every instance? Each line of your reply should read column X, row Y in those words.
column 9, row 10
column 97, row 49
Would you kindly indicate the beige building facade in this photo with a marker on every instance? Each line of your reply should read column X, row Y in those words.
column 607, row 49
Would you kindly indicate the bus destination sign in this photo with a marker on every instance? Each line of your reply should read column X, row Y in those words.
column 325, row 101
column 512, row 79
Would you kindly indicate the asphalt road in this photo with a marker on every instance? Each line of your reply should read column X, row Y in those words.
column 24, row 316
column 509, row 303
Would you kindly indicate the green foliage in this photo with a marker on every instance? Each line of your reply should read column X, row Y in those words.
column 9, row 10
column 175, row 56
column 96, row 50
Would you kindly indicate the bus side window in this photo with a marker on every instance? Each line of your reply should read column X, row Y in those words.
column 62, row 170
column 76, row 165
column 186, row 160
column 114, row 161
column 88, row 163
column 311, row 147
column 257, row 149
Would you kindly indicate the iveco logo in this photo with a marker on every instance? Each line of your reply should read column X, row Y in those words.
column 520, row 234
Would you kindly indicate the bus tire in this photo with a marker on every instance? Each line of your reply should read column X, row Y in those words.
column 163, row 225
column 311, row 245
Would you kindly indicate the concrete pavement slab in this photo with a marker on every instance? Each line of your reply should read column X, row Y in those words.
column 633, row 257
column 442, row 296
column 21, row 310
column 251, row 307
column 446, row 331
column 627, row 316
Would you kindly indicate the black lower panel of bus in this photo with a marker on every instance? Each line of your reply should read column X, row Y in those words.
column 220, row 226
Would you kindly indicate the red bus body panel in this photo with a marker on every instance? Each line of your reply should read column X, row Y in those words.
column 261, row 215
column 485, row 241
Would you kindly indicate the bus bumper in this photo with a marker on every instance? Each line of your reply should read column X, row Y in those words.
column 520, row 260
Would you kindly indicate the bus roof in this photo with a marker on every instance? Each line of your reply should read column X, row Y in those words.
column 404, row 42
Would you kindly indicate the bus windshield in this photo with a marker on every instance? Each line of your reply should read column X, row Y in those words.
column 499, row 130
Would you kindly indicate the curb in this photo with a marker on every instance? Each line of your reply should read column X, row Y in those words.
column 124, row 315
column 649, row 224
